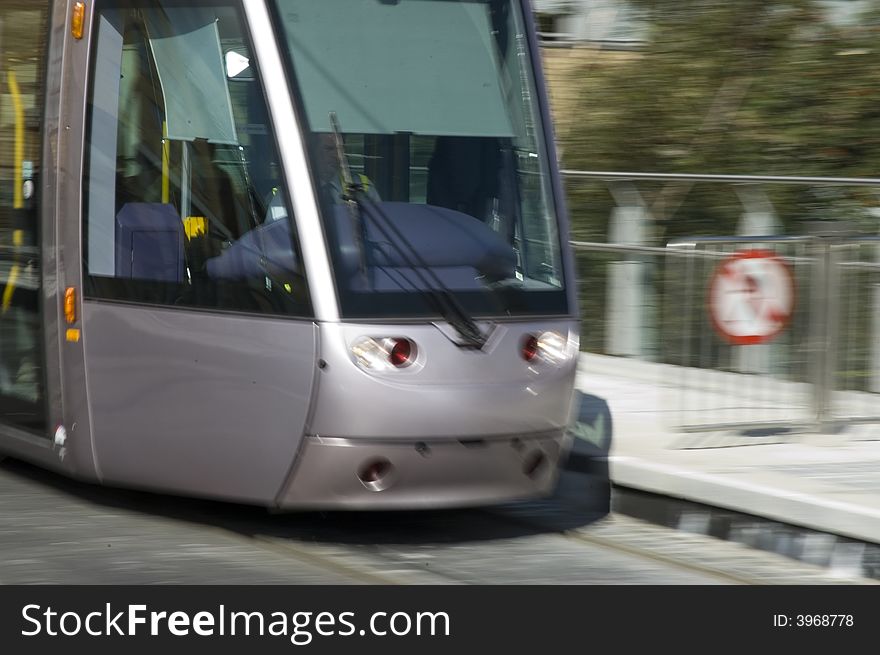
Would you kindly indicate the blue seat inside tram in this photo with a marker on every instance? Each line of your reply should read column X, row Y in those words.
column 149, row 242
column 458, row 248
column 267, row 249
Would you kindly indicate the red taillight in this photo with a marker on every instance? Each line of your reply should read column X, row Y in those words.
column 529, row 348
column 401, row 353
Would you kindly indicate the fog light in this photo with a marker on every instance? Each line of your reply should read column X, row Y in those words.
column 376, row 474
column 534, row 463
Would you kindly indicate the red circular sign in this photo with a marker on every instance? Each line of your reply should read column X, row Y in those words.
column 751, row 297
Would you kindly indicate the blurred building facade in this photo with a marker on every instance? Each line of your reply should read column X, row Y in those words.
column 620, row 24
column 612, row 23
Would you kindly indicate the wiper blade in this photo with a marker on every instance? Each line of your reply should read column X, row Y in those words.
column 349, row 198
column 357, row 200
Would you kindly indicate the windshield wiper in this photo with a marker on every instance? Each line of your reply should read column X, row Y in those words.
column 443, row 298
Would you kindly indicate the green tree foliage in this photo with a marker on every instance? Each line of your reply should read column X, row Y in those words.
column 769, row 87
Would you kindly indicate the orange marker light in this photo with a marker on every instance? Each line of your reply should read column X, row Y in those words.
column 70, row 305
column 78, row 20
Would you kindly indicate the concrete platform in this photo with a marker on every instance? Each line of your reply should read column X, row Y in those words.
column 828, row 483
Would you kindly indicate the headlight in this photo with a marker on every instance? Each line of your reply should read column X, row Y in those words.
column 549, row 347
column 384, row 353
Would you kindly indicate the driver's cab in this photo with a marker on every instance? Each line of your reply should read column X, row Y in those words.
column 438, row 150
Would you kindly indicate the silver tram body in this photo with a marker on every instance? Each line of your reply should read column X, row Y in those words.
column 187, row 308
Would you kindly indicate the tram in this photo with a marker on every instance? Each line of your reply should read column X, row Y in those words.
column 292, row 253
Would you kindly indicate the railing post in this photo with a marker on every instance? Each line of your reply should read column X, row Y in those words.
column 825, row 317
column 875, row 342
column 874, row 354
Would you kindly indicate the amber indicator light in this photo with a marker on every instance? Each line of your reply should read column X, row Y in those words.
column 78, row 20
column 70, row 305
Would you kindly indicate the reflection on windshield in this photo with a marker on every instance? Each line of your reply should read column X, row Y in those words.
column 441, row 128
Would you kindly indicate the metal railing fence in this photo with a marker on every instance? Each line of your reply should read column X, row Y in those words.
column 820, row 372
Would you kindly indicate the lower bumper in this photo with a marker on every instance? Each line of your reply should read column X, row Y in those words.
column 370, row 474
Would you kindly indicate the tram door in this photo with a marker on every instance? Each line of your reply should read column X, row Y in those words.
column 22, row 68
column 197, row 332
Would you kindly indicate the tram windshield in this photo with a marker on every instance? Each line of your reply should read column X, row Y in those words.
column 426, row 143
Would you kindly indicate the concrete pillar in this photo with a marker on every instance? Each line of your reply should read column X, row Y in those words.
column 626, row 303
column 757, row 220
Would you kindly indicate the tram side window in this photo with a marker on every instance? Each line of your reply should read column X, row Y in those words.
column 184, row 199
column 23, row 30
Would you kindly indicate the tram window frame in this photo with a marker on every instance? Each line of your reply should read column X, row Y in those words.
column 281, row 291
column 553, row 296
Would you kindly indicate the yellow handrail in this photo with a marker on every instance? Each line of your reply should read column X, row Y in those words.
column 18, row 182
column 166, row 164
